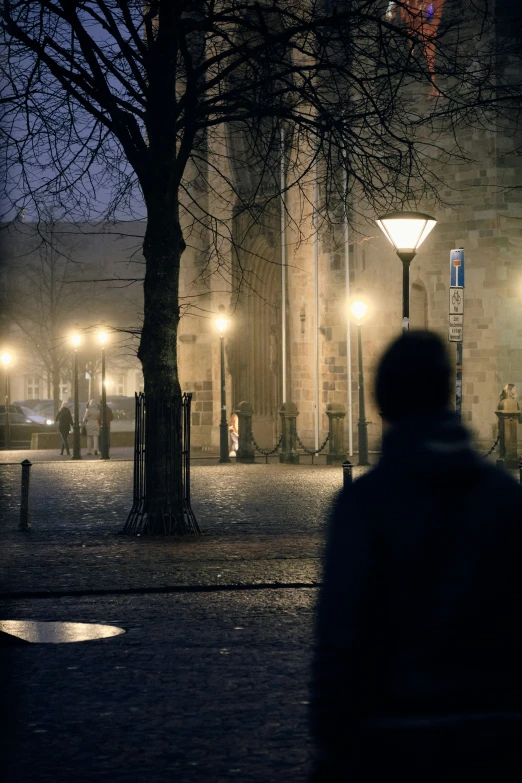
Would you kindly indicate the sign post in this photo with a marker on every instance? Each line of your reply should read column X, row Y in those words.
column 456, row 318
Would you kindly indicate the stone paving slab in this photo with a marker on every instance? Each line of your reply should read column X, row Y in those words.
column 262, row 523
column 200, row 687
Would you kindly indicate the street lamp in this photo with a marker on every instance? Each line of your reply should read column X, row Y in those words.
column 6, row 359
column 77, row 454
column 406, row 231
column 359, row 309
column 222, row 324
column 104, row 431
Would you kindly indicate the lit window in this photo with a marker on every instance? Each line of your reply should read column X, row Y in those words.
column 33, row 388
column 120, row 384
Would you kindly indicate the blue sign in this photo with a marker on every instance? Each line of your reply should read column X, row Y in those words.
column 457, row 268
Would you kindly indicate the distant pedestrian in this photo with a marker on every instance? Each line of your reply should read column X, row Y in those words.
column 417, row 673
column 233, row 428
column 64, row 420
column 109, row 416
column 91, row 420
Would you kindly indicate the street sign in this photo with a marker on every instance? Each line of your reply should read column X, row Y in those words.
column 457, row 268
column 456, row 301
column 455, row 334
column 456, row 318
column 87, row 376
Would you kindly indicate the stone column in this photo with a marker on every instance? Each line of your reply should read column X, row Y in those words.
column 289, row 414
column 336, row 452
column 508, row 414
column 245, row 450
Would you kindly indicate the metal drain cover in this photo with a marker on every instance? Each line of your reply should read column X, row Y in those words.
column 37, row 632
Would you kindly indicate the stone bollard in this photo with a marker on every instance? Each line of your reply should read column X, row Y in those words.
column 245, row 449
column 289, row 414
column 336, row 413
column 347, row 473
column 24, row 501
column 508, row 415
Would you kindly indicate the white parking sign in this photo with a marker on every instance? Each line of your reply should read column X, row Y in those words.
column 455, row 334
column 456, row 301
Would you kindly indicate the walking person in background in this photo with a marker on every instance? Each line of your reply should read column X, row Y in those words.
column 91, row 420
column 64, row 420
column 417, row 668
column 233, row 428
column 109, row 416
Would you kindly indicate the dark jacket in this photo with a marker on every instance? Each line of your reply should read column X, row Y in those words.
column 418, row 628
column 64, row 419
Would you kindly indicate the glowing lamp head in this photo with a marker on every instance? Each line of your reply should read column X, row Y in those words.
column 76, row 340
column 102, row 337
column 221, row 324
column 6, row 359
column 358, row 309
column 406, row 230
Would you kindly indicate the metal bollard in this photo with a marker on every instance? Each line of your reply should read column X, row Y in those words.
column 347, row 473
column 24, row 501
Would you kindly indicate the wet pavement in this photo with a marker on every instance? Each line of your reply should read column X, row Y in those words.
column 209, row 680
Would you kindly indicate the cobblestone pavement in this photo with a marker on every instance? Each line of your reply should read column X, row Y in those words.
column 209, row 682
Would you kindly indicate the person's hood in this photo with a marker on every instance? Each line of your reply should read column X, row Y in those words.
column 432, row 446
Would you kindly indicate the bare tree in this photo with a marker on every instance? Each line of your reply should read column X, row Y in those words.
column 41, row 300
column 180, row 105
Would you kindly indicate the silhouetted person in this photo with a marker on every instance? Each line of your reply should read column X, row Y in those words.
column 64, row 420
column 417, row 668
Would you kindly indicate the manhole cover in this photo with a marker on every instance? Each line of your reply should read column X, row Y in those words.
column 56, row 633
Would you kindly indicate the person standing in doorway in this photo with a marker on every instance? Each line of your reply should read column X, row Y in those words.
column 91, row 420
column 233, row 428
column 64, row 420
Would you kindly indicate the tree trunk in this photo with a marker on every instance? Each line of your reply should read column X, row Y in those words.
column 163, row 247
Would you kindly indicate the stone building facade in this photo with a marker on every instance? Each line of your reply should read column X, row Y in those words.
column 286, row 295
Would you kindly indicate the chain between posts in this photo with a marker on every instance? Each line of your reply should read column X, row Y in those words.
column 494, row 445
column 309, row 451
column 265, row 452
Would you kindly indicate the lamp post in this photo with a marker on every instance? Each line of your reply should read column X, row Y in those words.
column 6, row 359
column 359, row 310
column 406, row 231
column 77, row 454
column 222, row 324
column 104, row 430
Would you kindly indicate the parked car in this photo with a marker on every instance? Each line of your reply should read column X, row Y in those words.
column 29, row 414
column 37, row 417
column 122, row 407
column 44, row 407
column 20, row 429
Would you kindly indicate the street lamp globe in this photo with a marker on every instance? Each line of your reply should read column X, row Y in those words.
column 222, row 324
column 102, row 337
column 6, row 359
column 406, row 231
column 76, row 340
column 358, row 309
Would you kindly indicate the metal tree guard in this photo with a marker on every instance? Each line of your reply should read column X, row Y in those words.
column 164, row 414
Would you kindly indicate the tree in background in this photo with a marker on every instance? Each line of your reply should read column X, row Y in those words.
column 162, row 101
column 42, row 303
